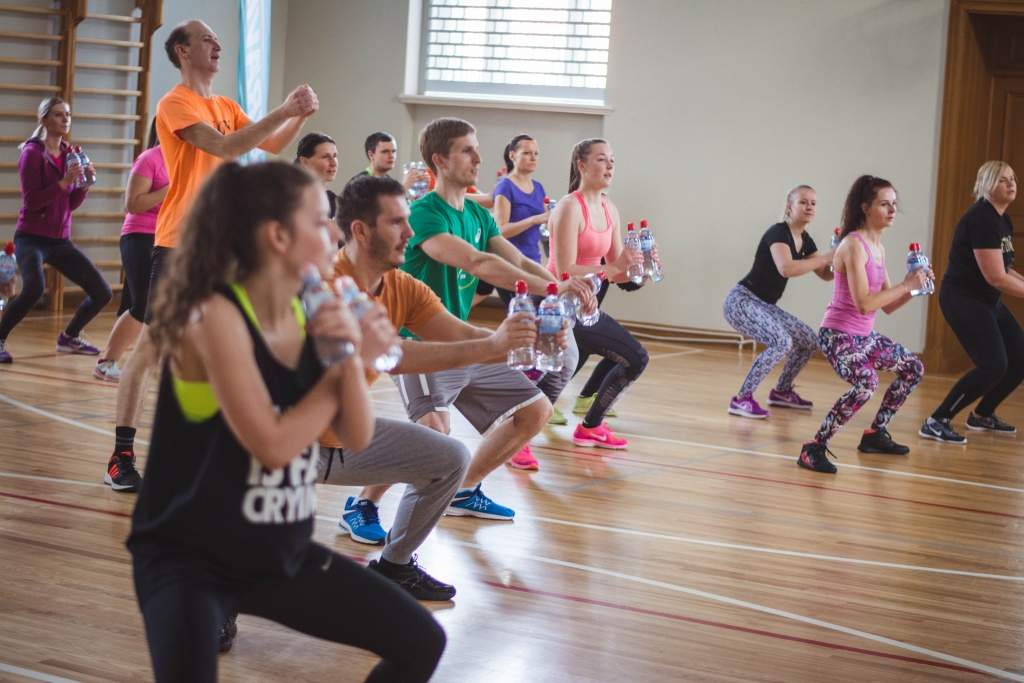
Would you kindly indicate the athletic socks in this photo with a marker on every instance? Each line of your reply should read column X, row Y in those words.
column 124, row 439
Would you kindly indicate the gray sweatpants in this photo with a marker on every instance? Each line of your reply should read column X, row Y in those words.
column 553, row 383
column 430, row 463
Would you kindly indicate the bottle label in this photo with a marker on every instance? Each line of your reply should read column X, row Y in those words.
column 549, row 323
column 646, row 243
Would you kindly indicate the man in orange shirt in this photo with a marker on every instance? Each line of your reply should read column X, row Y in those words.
column 198, row 131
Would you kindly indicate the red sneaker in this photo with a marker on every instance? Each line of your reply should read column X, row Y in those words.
column 598, row 437
column 524, row 460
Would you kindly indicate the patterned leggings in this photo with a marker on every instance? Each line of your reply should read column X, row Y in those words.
column 785, row 335
column 858, row 360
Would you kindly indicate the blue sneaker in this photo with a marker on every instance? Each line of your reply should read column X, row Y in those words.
column 361, row 522
column 473, row 503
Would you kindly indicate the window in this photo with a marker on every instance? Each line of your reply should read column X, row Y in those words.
column 531, row 49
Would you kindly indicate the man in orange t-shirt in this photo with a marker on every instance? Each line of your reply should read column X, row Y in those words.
column 198, row 131
column 374, row 215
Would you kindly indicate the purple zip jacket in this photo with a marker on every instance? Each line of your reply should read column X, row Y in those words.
column 45, row 207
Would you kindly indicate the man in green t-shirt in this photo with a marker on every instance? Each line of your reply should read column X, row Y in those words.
column 455, row 243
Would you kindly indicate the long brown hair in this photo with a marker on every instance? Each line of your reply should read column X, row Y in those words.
column 863, row 191
column 218, row 243
column 579, row 153
column 45, row 107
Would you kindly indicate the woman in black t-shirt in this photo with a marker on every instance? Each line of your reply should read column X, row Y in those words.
column 318, row 154
column 980, row 271
column 785, row 251
column 224, row 520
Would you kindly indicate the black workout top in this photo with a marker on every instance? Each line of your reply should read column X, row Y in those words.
column 764, row 279
column 980, row 228
column 204, row 497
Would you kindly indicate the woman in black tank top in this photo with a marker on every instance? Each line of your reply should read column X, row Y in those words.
column 225, row 515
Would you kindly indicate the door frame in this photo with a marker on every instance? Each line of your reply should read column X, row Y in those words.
column 963, row 147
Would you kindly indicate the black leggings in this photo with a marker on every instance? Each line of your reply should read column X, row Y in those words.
column 32, row 252
column 604, row 366
column 136, row 258
column 331, row 598
column 626, row 358
column 993, row 339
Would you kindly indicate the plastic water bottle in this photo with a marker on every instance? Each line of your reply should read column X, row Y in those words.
column 420, row 187
column 88, row 177
column 550, row 357
column 359, row 304
column 314, row 294
column 549, row 205
column 636, row 271
column 8, row 269
column 916, row 260
column 574, row 307
column 837, row 237
column 651, row 267
column 523, row 357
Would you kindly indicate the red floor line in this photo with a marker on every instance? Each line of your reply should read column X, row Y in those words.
column 92, row 383
column 754, row 477
column 599, row 603
column 731, row 627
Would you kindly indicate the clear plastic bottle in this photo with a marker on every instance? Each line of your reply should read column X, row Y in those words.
column 651, row 267
column 549, row 205
column 523, row 357
column 550, row 357
column 636, row 271
column 574, row 307
column 420, row 187
column 915, row 261
column 314, row 294
column 88, row 177
column 359, row 304
column 837, row 237
column 8, row 268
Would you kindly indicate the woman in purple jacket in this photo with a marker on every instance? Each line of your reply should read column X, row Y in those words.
column 50, row 192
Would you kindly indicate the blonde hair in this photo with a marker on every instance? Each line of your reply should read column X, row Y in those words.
column 45, row 107
column 988, row 176
column 790, row 196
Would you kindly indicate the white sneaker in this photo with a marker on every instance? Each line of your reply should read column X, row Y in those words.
column 107, row 371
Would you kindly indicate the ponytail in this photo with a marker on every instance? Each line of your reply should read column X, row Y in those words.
column 863, row 191
column 579, row 153
column 43, row 111
column 511, row 147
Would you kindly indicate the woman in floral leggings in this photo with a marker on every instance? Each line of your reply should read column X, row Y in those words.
column 847, row 336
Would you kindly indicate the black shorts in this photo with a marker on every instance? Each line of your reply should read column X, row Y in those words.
column 157, row 267
column 136, row 259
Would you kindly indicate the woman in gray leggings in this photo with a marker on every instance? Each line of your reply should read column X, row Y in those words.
column 786, row 250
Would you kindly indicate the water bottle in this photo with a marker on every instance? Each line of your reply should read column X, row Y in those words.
column 549, row 205
column 420, row 187
column 359, row 304
column 915, row 260
column 635, row 272
column 314, row 294
column 8, row 269
column 651, row 267
column 523, row 357
column 88, row 177
column 550, row 357
column 574, row 307
column 837, row 237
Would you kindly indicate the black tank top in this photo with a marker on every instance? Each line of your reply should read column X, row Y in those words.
column 204, row 497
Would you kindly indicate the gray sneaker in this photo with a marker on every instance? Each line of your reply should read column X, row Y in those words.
column 989, row 424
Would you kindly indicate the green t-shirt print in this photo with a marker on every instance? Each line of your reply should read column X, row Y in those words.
column 431, row 216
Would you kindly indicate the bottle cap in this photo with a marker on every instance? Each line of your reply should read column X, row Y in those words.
column 520, row 286
column 914, row 246
column 600, row 276
column 9, row 248
column 630, row 226
column 643, row 223
column 547, row 200
column 552, row 289
column 837, row 231
column 565, row 276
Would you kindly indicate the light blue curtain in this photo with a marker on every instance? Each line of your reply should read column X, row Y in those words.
column 254, row 63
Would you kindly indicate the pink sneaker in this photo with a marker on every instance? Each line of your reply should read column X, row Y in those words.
column 598, row 437
column 788, row 399
column 746, row 406
column 524, row 460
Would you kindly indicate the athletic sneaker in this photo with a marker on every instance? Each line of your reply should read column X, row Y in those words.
column 583, row 403
column 227, row 633
column 107, row 371
column 361, row 521
column 5, row 355
column 788, row 399
column 746, row 406
column 813, row 457
column 939, row 430
column 473, row 503
column 557, row 417
column 524, row 460
column 600, row 436
column 413, row 579
column 121, row 473
column 66, row 344
column 880, row 441
column 989, row 424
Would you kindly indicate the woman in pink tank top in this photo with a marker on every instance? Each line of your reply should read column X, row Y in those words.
column 847, row 336
column 585, row 229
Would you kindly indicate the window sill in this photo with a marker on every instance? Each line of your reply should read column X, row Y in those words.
column 506, row 103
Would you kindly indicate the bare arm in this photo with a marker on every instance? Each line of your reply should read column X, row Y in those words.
column 138, row 198
column 502, row 211
column 484, row 200
column 790, row 267
column 233, row 145
column 489, row 267
column 853, row 260
column 284, row 135
column 990, row 261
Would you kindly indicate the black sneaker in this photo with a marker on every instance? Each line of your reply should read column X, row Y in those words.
column 812, row 457
column 939, row 430
column 228, row 631
column 121, row 473
column 412, row 578
column 879, row 441
column 989, row 424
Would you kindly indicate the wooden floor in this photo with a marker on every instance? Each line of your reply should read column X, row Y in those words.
column 700, row 554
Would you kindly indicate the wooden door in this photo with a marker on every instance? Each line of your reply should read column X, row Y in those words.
column 1007, row 138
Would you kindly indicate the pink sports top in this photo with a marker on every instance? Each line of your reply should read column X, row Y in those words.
column 591, row 245
column 842, row 313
